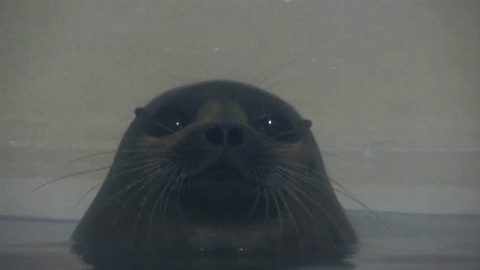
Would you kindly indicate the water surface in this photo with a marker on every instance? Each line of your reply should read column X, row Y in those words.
column 399, row 241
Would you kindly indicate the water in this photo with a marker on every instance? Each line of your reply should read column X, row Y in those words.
column 399, row 241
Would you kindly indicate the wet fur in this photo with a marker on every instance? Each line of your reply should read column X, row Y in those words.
column 162, row 195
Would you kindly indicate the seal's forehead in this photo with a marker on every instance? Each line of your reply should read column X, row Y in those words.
column 192, row 98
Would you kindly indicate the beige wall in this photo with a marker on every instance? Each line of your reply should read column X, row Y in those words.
column 393, row 88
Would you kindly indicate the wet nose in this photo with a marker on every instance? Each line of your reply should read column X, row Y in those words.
column 224, row 135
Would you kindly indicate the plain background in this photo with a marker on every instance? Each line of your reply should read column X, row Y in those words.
column 392, row 87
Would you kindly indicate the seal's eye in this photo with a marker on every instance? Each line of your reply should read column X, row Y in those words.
column 278, row 128
column 166, row 122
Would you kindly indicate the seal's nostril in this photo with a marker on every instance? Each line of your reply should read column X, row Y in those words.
column 234, row 137
column 214, row 135
column 224, row 135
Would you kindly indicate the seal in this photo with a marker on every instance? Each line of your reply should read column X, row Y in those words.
column 217, row 169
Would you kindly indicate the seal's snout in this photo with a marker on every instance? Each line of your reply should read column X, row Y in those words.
column 224, row 135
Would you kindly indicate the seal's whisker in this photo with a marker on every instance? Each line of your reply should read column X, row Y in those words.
column 86, row 193
column 77, row 173
column 80, row 173
column 178, row 192
column 273, row 192
column 257, row 198
column 352, row 197
column 282, row 134
column 69, row 176
column 341, row 190
column 156, row 124
column 303, row 168
column 128, row 200
column 144, row 183
column 156, row 204
column 264, row 188
column 293, row 177
column 305, row 175
column 146, row 168
column 277, row 180
column 281, row 202
column 287, row 180
column 144, row 164
column 157, row 185
column 158, row 170
column 303, row 193
column 86, row 157
column 140, row 151
column 173, row 188
column 261, row 78
column 163, row 187
column 293, row 191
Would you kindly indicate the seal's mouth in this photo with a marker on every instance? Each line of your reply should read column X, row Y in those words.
column 221, row 171
column 220, row 191
column 223, row 168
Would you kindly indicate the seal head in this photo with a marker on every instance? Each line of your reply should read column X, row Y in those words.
column 218, row 167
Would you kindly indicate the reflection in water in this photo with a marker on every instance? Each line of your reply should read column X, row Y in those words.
column 220, row 259
column 185, row 262
column 411, row 241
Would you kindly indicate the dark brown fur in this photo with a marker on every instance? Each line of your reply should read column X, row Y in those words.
column 217, row 169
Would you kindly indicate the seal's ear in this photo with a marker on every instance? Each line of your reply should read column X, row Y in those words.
column 307, row 123
column 138, row 111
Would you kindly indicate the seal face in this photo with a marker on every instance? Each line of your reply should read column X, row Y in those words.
column 218, row 167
